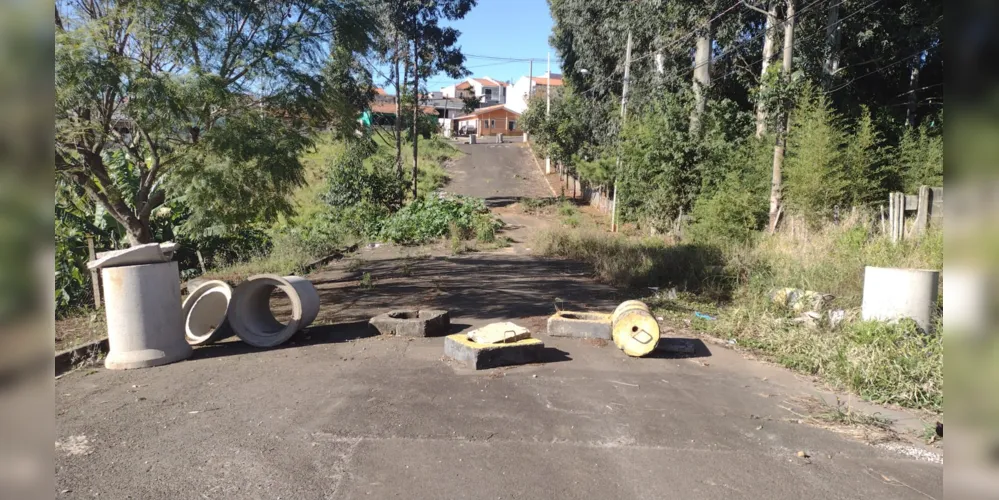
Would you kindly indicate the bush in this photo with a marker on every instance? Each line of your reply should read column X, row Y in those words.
column 350, row 182
column 432, row 217
column 731, row 212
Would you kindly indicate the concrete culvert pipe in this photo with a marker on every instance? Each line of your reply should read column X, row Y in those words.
column 893, row 293
column 252, row 318
column 206, row 312
column 634, row 329
column 142, row 303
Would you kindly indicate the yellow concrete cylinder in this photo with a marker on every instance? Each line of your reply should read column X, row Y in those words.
column 634, row 328
column 626, row 307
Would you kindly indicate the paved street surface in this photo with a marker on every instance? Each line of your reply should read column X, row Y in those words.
column 342, row 413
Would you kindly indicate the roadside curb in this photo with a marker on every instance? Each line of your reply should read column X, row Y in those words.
column 64, row 359
column 541, row 170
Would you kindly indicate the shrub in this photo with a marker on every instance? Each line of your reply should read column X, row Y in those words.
column 431, row 217
column 731, row 212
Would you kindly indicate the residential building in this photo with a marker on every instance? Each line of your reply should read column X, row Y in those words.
column 490, row 120
column 520, row 92
column 487, row 90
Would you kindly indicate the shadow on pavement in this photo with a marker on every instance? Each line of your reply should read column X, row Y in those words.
column 502, row 201
column 667, row 349
column 554, row 355
column 314, row 335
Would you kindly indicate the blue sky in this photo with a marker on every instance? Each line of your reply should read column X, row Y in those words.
column 503, row 28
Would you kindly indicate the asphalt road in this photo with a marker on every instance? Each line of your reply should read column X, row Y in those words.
column 499, row 173
column 340, row 413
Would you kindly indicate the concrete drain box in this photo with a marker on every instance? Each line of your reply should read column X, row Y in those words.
column 412, row 323
column 582, row 325
column 483, row 356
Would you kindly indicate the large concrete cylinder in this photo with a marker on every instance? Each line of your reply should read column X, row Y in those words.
column 970, row 294
column 252, row 318
column 145, row 325
column 892, row 293
column 471, row 139
column 634, row 329
column 206, row 312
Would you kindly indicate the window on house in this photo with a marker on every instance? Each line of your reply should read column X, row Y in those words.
column 492, row 123
column 511, row 124
column 488, row 93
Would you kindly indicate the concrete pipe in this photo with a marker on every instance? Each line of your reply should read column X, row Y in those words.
column 252, row 318
column 634, row 329
column 206, row 312
column 891, row 294
column 145, row 325
column 471, row 139
column 970, row 292
column 499, row 138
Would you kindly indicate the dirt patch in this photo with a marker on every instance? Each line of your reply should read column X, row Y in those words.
column 78, row 330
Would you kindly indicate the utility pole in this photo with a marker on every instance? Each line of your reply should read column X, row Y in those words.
column 548, row 109
column 624, row 112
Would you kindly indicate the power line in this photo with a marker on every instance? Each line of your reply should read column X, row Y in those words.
column 898, row 61
column 501, row 58
column 674, row 43
column 802, row 39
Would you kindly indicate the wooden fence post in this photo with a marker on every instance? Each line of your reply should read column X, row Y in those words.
column 94, row 275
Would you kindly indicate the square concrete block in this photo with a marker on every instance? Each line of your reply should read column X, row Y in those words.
column 412, row 323
column 582, row 325
column 483, row 356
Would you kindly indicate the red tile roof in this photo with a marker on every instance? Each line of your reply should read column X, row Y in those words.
column 490, row 82
column 389, row 108
column 488, row 109
column 556, row 81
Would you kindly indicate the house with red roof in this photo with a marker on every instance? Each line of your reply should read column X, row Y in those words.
column 489, row 91
column 490, row 120
column 520, row 93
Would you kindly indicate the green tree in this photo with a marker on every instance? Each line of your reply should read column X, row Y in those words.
column 435, row 49
column 210, row 101
column 815, row 176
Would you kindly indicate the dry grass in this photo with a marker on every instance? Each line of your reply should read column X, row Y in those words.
column 637, row 262
column 842, row 418
column 80, row 329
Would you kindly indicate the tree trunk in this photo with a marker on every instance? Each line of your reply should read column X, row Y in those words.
column 416, row 110
column 398, row 110
column 831, row 64
column 776, row 176
column 702, row 77
column 910, row 110
column 139, row 232
column 769, row 39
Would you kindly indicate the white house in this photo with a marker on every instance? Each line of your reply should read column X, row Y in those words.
column 488, row 90
column 519, row 94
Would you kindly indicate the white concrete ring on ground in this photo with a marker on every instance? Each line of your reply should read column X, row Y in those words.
column 145, row 322
column 893, row 293
column 206, row 312
column 252, row 318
